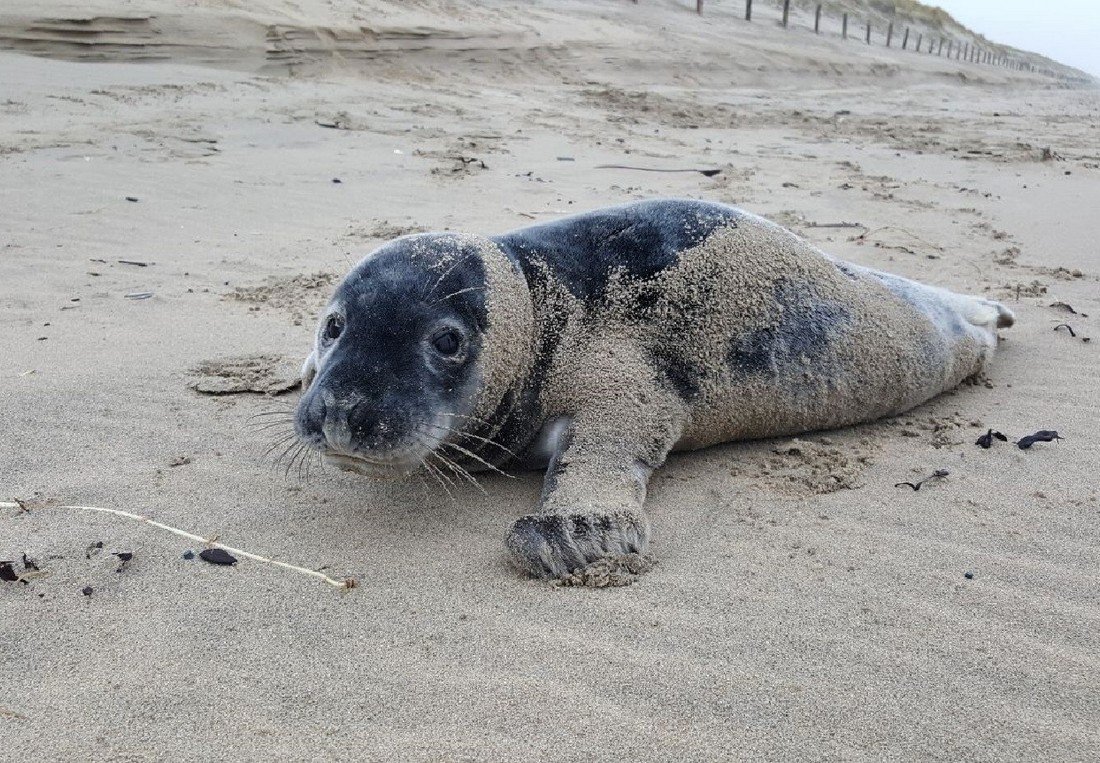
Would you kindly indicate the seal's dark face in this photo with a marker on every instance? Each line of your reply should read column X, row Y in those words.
column 395, row 362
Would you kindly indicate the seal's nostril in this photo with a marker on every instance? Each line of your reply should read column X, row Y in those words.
column 362, row 421
column 310, row 417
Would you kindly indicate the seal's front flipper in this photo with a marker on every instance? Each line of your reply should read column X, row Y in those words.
column 591, row 505
column 556, row 545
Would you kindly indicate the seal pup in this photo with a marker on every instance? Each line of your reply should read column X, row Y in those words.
column 594, row 345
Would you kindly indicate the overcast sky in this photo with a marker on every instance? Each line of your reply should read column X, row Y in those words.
column 1065, row 30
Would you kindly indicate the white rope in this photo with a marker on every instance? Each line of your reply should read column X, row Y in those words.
column 341, row 584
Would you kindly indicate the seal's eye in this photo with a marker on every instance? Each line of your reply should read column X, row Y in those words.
column 334, row 326
column 447, row 342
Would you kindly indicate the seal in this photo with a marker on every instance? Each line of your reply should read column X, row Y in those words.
column 594, row 345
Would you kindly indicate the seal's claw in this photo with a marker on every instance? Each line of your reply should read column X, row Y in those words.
column 555, row 545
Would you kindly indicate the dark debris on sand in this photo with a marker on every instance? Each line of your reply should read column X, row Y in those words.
column 1043, row 435
column 939, row 474
column 217, row 556
column 986, row 440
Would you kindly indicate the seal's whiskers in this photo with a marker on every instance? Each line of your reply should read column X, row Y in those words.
column 479, row 438
column 438, row 475
column 459, row 471
column 292, row 448
column 263, row 426
column 477, row 458
column 296, row 452
column 279, row 441
column 288, row 411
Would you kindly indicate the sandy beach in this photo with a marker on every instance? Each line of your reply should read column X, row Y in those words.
column 179, row 195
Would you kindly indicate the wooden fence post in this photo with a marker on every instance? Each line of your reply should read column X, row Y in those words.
column 699, row 7
column 868, row 32
column 920, row 40
column 748, row 10
column 949, row 48
column 817, row 19
column 844, row 27
column 905, row 39
column 786, row 12
column 939, row 50
column 889, row 34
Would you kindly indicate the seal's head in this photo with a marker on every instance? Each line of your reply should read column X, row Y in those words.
column 425, row 335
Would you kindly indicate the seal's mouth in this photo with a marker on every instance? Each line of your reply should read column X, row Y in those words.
column 402, row 458
column 391, row 466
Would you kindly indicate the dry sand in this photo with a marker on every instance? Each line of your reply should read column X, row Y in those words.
column 802, row 608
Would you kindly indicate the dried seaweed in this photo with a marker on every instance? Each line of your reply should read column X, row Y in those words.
column 936, row 475
column 1043, row 435
column 986, row 440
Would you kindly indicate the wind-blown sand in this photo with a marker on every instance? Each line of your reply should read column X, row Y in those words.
column 802, row 606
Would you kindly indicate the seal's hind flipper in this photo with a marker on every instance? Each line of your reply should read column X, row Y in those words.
column 989, row 314
column 1005, row 317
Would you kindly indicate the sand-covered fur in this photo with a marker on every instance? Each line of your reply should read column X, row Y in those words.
column 597, row 344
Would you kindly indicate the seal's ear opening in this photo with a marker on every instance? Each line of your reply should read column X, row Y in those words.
column 309, row 370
